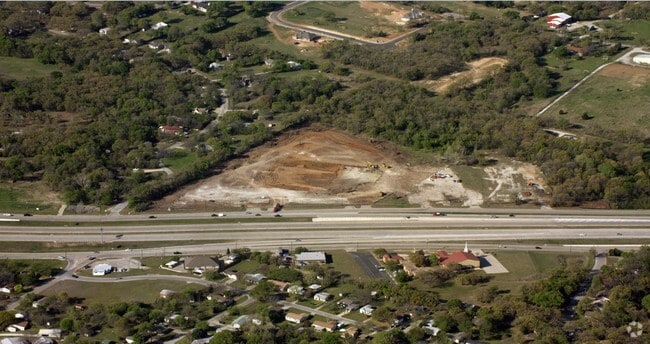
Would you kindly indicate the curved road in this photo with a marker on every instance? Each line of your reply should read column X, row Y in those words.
column 277, row 19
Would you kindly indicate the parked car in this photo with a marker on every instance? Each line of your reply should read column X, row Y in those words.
column 177, row 252
column 152, row 216
column 27, row 214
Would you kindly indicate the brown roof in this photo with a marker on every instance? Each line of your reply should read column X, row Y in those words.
column 200, row 262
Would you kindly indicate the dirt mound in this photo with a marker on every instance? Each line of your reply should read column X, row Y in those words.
column 478, row 70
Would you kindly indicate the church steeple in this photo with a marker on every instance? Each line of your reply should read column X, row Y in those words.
column 466, row 250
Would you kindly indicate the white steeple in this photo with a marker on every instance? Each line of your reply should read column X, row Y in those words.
column 466, row 250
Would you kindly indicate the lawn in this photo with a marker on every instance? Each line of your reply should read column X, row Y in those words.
column 473, row 178
column 346, row 265
column 609, row 100
column 20, row 68
column 635, row 32
column 348, row 17
column 179, row 159
column 247, row 267
column 19, row 198
column 394, row 201
column 110, row 293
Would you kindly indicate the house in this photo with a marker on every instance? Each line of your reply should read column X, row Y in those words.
column 351, row 331
column 296, row 290
column 200, row 110
column 15, row 340
column 314, row 287
column 50, row 332
column 464, row 258
column 348, row 305
column 328, row 326
column 200, row 6
column 18, row 327
column 7, row 289
column 311, row 257
column 202, row 263
column 279, row 285
column 296, row 318
column 170, row 129
column 392, row 257
column 412, row 15
column 642, row 59
column 305, row 36
column 293, row 65
column 556, row 20
column 215, row 65
column 254, row 278
column 38, row 303
column 580, row 51
column 155, row 45
column 322, row 297
column 130, row 41
column 430, row 328
column 367, row 310
column 241, row 321
column 102, row 269
column 166, row 293
column 104, row 31
column 159, row 25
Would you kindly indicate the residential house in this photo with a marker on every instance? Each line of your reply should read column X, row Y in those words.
column 296, row 318
column 304, row 258
column 279, row 285
column 200, row 6
column 43, row 340
column 392, row 257
column 215, row 65
column 430, row 328
column 104, row 31
column 305, row 36
column 348, row 305
column 201, row 341
column 241, row 321
column 38, row 303
column 18, row 327
column 296, row 290
column 50, row 332
column 7, row 289
column 367, row 310
column 155, row 46
column 350, row 331
column 293, row 65
column 328, row 326
column 202, row 263
column 159, row 25
column 170, row 129
column 314, row 287
column 254, row 278
column 322, row 296
column 580, row 51
column 166, row 293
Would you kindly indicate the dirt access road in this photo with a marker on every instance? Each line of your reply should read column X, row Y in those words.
column 328, row 167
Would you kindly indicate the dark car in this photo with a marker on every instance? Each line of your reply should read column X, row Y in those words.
column 278, row 215
column 152, row 216
column 538, row 248
column 177, row 252
column 91, row 258
column 75, row 276
column 27, row 214
column 439, row 214
column 119, row 235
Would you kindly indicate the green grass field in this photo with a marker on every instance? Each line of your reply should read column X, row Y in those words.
column 19, row 68
column 634, row 32
column 179, row 159
column 394, row 201
column 349, row 18
column 610, row 102
column 17, row 199
column 110, row 293
column 347, row 266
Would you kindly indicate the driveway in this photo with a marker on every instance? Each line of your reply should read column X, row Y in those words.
column 312, row 311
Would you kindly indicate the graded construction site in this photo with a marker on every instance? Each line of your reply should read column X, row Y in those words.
column 311, row 167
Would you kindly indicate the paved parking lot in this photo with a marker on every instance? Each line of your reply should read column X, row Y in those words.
column 490, row 264
column 368, row 264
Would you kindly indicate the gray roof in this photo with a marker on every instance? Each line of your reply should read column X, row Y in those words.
column 311, row 256
column 200, row 262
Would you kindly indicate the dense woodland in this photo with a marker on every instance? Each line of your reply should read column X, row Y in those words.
column 86, row 126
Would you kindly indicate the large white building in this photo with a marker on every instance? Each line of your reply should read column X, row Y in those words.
column 642, row 59
column 102, row 269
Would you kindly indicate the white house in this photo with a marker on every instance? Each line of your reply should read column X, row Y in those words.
column 642, row 59
column 296, row 290
column 322, row 296
column 102, row 269
column 159, row 25
column 367, row 310
column 296, row 318
column 104, row 31
column 241, row 321
column 6, row 289
column 231, row 274
column 310, row 257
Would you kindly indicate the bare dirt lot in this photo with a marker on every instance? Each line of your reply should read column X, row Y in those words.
column 636, row 76
column 478, row 70
column 334, row 168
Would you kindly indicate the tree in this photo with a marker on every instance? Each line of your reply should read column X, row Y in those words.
column 394, row 336
column 382, row 314
column 263, row 290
